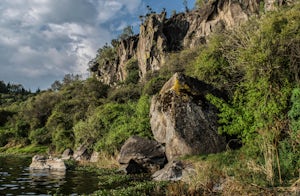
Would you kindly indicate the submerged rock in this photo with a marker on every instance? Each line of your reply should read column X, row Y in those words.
column 42, row 162
column 184, row 120
column 140, row 155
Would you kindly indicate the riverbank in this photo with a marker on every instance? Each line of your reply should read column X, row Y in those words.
column 227, row 173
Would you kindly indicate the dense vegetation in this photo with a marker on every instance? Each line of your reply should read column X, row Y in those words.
column 256, row 65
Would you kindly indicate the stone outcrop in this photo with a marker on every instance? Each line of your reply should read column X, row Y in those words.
column 81, row 154
column 160, row 35
column 184, row 120
column 67, row 154
column 44, row 163
column 140, row 155
column 174, row 171
column 94, row 157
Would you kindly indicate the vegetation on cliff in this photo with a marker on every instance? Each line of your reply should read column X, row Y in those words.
column 257, row 66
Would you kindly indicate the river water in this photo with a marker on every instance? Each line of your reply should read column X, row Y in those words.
column 17, row 179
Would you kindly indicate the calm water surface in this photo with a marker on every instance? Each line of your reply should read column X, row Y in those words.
column 17, row 179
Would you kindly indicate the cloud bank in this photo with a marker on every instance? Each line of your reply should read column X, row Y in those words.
column 42, row 40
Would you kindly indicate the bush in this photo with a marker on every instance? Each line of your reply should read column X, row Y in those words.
column 62, row 139
column 132, row 69
column 40, row 136
column 5, row 135
column 123, row 94
column 154, row 85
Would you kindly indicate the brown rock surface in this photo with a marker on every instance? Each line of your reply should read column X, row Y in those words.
column 184, row 120
column 142, row 155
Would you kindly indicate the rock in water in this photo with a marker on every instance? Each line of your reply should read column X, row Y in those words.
column 42, row 162
column 184, row 120
column 139, row 155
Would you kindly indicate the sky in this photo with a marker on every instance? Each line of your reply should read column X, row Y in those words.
column 43, row 40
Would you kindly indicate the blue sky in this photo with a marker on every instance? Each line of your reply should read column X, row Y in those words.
column 42, row 40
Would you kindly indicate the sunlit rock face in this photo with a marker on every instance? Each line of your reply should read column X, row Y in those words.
column 159, row 35
column 44, row 163
column 184, row 120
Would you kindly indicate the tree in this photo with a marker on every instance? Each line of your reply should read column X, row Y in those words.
column 3, row 87
column 127, row 32
column 56, row 85
column 185, row 4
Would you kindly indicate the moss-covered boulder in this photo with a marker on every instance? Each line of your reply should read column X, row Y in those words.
column 184, row 120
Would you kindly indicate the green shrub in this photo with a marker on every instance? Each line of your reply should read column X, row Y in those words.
column 123, row 94
column 132, row 69
column 113, row 123
column 40, row 136
column 62, row 139
column 154, row 85
column 5, row 135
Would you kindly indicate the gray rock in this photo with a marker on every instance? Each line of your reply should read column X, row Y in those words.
column 94, row 157
column 174, row 171
column 184, row 120
column 67, row 154
column 139, row 155
column 160, row 35
column 44, row 163
column 81, row 154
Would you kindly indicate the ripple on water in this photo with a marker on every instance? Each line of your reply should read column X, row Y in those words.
column 19, row 180
column 4, row 174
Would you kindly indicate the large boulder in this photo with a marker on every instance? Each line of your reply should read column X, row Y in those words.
column 184, row 120
column 44, row 163
column 139, row 155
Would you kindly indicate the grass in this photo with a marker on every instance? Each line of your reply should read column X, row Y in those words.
column 19, row 149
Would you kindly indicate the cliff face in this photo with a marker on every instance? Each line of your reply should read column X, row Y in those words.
column 159, row 35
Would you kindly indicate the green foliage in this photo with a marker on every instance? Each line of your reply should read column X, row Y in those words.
column 105, row 56
column 29, row 149
column 212, row 66
column 40, row 136
column 5, row 135
column 124, row 121
column 39, row 108
column 120, row 184
column 127, row 32
column 259, row 69
column 200, row 3
column 132, row 69
column 289, row 148
column 4, row 116
column 294, row 113
column 123, row 94
column 62, row 139
column 154, row 85
column 263, row 84
column 112, row 123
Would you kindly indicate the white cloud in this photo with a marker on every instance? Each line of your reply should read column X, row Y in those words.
column 50, row 38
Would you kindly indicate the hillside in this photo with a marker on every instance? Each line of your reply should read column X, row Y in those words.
column 240, row 63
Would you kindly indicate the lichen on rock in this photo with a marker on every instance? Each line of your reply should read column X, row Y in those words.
column 184, row 120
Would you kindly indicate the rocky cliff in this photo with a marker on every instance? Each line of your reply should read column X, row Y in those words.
column 160, row 35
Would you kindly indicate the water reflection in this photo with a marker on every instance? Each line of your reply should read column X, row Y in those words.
column 47, row 178
column 17, row 179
